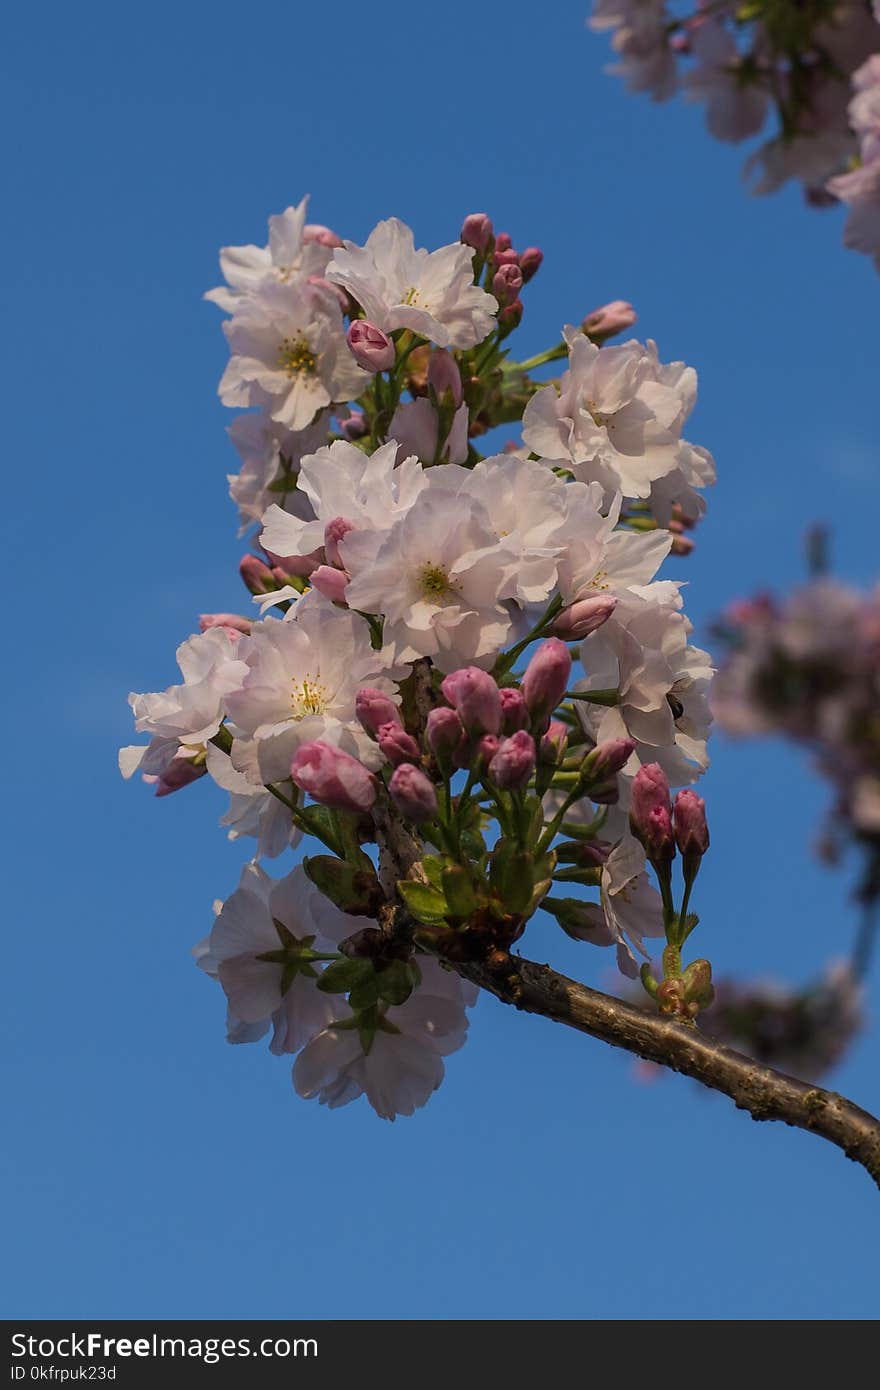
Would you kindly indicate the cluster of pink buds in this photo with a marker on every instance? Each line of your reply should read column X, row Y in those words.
column 507, row 269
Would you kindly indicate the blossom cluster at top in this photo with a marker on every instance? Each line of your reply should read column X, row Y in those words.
column 465, row 682
column 808, row 667
column 810, row 68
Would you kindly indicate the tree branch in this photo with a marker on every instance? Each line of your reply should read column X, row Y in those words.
column 764, row 1093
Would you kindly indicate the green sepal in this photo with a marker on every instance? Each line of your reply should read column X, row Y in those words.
column 426, row 903
column 396, row 982
column 365, row 993
column 512, row 875
column 353, row 890
column 342, row 975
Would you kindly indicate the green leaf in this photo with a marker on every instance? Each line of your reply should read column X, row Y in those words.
column 512, row 874
column 342, row 975
column 426, row 903
column 459, row 891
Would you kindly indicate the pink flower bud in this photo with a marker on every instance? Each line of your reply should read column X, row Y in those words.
column 554, row 743
column 397, row 745
column 500, row 258
column 336, row 292
column 507, row 283
column 609, row 319
column 475, row 698
column 413, row 793
column 602, row 767
column 332, row 777
column 503, row 241
column 546, row 681
column 354, row 427
column 691, row 830
column 443, row 375
column 650, row 814
column 231, row 621
column 335, row 531
column 296, row 566
column 530, row 262
column 584, row 616
column 371, row 348
column 511, row 315
column 514, row 714
column 315, row 232
column 482, row 756
column 592, row 854
column 444, row 732
column 374, row 710
column 476, row 230
column 330, row 582
column 257, row 576
column 178, row 774
column 514, row 762
column 681, row 545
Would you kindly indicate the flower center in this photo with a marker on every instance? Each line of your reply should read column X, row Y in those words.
column 412, row 298
column 601, row 417
column 308, row 696
column 599, row 580
column 434, row 583
column 295, row 357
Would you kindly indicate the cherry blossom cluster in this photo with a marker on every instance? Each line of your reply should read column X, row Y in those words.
column 808, row 667
column 811, row 69
column 464, row 684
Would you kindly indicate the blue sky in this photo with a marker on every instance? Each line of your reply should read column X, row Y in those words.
column 150, row 1170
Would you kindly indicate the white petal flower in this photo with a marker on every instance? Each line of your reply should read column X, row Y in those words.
column 289, row 353
column 631, row 903
column 403, row 1067
column 439, row 576
column 616, row 418
column 271, row 455
column 431, row 292
column 340, row 480
column 301, row 677
column 735, row 109
column 192, row 713
column 253, row 811
column 293, row 256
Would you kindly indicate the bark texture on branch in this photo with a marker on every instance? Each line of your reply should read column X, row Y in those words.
column 764, row 1093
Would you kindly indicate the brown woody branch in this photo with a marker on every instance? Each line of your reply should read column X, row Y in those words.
column 764, row 1093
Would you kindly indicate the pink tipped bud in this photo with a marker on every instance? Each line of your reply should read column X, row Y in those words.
column 530, row 262
column 178, row 774
column 507, row 283
column 476, row 230
column 691, row 830
column 475, row 698
column 296, row 566
column 257, row 576
column 444, row 732
column 503, row 241
column 397, row 745
column 514, row 762
column 554, row 743
column 681, row 545
column 584, row 616
column 511, row 315
column 315, row 232
column 481, row 757
column 500, row 258
column 335, row 531
column 603, row 766
column 546, row 681
column 514, row 714
column 413, row 793
column 332, row 777
column 610, row 319
column 231, row 621
column 375, row 710
column 330, row 582
column 443, row 375
column 371, row 348
column 354, row 427
column 650, row 814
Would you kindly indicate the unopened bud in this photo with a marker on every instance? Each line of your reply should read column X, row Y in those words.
column 315, row 232
column 333, row 778
column 371, row 348
column 584, row 617
column 530, row 262
column 546, row 681
column 413, row 793
column 602, row 767
column 608, row 320
column 330, row 582
column 507, row 283
column 475, row 698
column 691, row 830
column 476, row 230
column 514, row 762
column 650, row 815
column 514, row 714
column 178, row 774
column 503, row 241
column 482, row 756
column 231, row 621
column 443, row 375
column 354, row 426
column 335, row 531
column 374, row 709
column 444, row 733
column 554, row 743
column 397, row 745
column 257, row 576
column 500, row 258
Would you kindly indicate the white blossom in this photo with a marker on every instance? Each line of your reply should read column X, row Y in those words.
column 431, row 292
column 271, row 454
column 295, row 253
